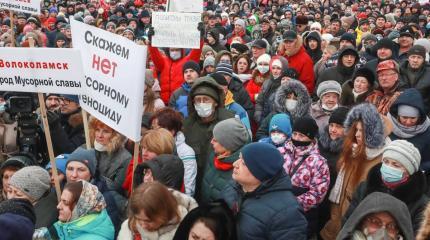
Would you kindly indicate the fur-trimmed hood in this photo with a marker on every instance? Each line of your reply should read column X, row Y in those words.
column 298, row 47
column 424, row 232
column 372, row 124
column 303, row 98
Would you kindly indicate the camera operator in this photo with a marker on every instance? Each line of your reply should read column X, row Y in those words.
column 67, row 129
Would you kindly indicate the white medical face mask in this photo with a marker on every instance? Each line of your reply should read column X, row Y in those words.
column 263, row 69
column 278, row 138
column 99, row 147
column 203, row 109
column 325, row 107
column 175, row 55
column 291, row 104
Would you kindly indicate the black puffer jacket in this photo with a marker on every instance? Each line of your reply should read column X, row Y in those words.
column 302, row 109
column 422, row 83
column 241, row 96
column 412, row 193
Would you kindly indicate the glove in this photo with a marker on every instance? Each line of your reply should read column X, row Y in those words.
column 53, row 118
column 201, row 28
column 41, row 234
column 151, row 33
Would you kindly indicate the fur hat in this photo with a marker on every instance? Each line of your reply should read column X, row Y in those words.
column 405, row 153
column 33, row 181
column 371, row 121
column 366, row 73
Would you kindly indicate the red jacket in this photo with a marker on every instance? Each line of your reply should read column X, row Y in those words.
column 304, row 66
column 253, row 90
column 171, row 76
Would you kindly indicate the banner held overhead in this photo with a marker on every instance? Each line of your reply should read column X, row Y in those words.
column 27, row 6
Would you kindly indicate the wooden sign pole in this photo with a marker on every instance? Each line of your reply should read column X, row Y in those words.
column 12, row 26
column 135, row 162
column 86, row 129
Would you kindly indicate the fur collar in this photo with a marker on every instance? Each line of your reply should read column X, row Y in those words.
column 303, row 98
column 334, row 146
column 298, row 47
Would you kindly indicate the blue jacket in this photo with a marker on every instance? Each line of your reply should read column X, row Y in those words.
column 270, row 212
column 421, row 141
column 240, row 113
column 92, row 226
column 179, row 99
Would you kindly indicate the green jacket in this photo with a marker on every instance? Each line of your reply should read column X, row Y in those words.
column 215, row 180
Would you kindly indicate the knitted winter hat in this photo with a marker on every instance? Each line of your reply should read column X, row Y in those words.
column 339, row 115
column 263, row 58
column 60, row 163
column 348, row 37
column 73, row 98
column 263, row 160
column 306, row 126
column 86, row 157
column 224, row 68
column 191, row 65
column 405, row 153
column 209, row 61
column 17, row 219
column 231, row 134
column 281, row 122
column 33, row 181
column 240, row 22
column 408, row 111
column 329, row 86
column 417, row 50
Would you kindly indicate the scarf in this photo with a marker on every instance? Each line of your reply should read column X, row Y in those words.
column 223, row 166
column 408, row 132
column 228, row 98
column 244, row 77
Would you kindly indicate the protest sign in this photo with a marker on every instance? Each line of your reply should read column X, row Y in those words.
column 114, row 67
column 41, row 70
column 195, row 6
column 176, row 30
column 27, row 6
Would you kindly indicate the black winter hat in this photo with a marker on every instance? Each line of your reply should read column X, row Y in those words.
column 386, row 43
column 417, row 50
column 339, row 115
column 219, row 78
column 242, row 48
column 191, row 65
column 306, row 126
column 348, row 37
column 366, row 73
column 144, row 13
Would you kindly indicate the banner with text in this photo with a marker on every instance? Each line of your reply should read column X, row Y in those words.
column 195, row 6
column 114, row 79
column 27, row 6
column 176, row 30
column 41, row 70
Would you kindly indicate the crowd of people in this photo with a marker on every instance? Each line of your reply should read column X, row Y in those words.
column 292, row 120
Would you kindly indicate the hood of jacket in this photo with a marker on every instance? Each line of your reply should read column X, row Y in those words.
column 379, row 202
column 208, row 82
column 371, row 121
column 333, row 146
column 166, row 168
column 411, row 97
column 342, row 68
column 303, row 98
column 313, row 35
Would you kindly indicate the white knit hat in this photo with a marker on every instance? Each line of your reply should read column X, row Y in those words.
column 327, row 87
column 405, row 153
column 264, row 58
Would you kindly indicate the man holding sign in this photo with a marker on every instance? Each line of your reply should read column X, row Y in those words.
column 170, row 65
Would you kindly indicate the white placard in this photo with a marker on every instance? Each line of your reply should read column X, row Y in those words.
column 41, row 70
column 114, row 79
column 195, row 6
column 27, row 6
column 176, row 30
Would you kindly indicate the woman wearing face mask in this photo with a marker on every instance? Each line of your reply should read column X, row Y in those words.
column 362, row 149
column 398, row 175
column 411, row 123
column 356, row 90
column 259, row 75
column 155, row 212
column 280, row 130
column 170, row 67
column 263, row 105
column 307, row 169
column 112, row 157
column 329, row 93
column 82, row 215
column 291, row 98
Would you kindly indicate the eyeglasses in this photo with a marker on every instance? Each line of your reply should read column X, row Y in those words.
column 378, row 224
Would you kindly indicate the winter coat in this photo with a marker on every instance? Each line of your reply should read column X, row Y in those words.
column 320, row 115
column 330, row 150
column 300, row 61
column 17, row 219
column 302, row 109
column 93, row 226
column 263, row 103
column 269, row 212
column 171, row 75
column 412, row 193
column 237, row 109
column 188, row 157
column 216, row 180
column 422, row 83
column 253, row 87
column 179, row 99
column 339, row 73
column 317, row 53
column 424, row 232
column 383, row 100
column 241, row 96
column 418, row 135
column 378, row 202
column 347, row 98
column 68, row 133
column 113, row 165
column 46, row 210
column 185, row 205
column 199, row 134
column 166, row 168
